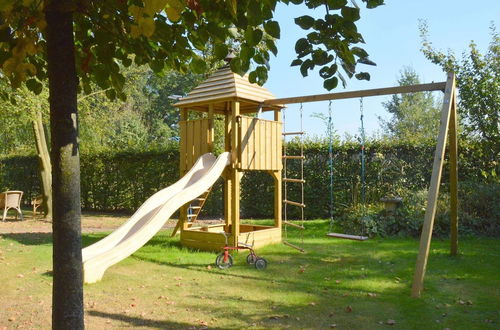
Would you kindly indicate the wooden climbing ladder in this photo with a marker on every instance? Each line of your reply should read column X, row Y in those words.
column 300, row 180
column 194, row 210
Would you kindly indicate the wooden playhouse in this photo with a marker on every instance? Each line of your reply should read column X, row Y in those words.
column 255, row 145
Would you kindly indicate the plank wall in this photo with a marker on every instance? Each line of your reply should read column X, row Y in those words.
column 260, row 144
column 194, row 141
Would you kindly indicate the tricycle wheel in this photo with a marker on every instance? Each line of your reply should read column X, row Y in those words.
column 219, row 261
column 260, row 263
column 251, row 258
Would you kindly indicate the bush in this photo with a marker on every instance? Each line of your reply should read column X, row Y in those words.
column 123, row 181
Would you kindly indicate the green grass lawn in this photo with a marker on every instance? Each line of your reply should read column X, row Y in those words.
column 336, row 283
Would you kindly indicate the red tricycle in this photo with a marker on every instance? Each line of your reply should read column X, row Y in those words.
column 224, row 260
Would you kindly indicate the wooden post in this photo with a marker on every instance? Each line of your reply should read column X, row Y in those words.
column 235, row 174
column 211, row 128
column 227, row 171
column 278, row 198
column 182, row 223
column 453, row 147
column 430, row 212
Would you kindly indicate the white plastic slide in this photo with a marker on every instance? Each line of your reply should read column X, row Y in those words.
column 151, row 217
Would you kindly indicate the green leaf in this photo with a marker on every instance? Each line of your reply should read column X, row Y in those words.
column 301, row 45
column 370, row 4
column 362, row 76
column 350, row 13
column 336, row 4
column 320, row 57
column 253, row 37
column 246, row 53
column 331, row 83
column 296, row 62
column 198, row 65
column 273, row 29
column 272, row 46
column 34, row 86
column 328, row 71
column 254, row 13
column 157, row 65
column 111, row 94
column 359, row 52
column 308, row 64
column 220, row 50
column 252, row 77
column 305, row 22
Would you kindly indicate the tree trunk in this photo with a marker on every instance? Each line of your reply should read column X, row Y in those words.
column 44, row 163
column 67, row 292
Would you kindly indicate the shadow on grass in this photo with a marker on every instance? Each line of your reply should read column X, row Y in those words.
column 138, row 321
column 30, row 238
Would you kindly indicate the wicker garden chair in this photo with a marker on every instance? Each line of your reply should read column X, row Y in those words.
column 11, row 200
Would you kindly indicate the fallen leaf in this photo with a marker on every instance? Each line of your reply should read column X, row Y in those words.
column 333, row 325
column 209, row 267
column 132, row 305
column 337, row 281
column 12, row 319
column 20, row 275
column 312, row 304
column 390, row 322
column 370, row 294
column 348, row 309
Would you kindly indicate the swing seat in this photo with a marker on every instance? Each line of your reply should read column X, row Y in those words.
column 346, row 236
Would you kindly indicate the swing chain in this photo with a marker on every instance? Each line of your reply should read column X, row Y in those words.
column 363, row 170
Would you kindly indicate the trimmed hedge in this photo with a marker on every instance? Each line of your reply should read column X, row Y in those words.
column 123, row 181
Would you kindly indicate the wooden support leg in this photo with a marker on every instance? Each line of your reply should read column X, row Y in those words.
column 453, row 147
column 430, row 212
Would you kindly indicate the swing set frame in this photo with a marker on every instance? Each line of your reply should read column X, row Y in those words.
column 447, row 131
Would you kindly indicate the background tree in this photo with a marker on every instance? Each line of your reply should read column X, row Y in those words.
column 478, row 82
column 414, row 116
column 78, row 42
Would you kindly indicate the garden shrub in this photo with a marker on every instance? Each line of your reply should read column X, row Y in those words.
column 122, row 181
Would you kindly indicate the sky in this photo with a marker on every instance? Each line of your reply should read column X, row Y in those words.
column 393, row 41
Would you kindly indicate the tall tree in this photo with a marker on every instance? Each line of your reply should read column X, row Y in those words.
column 414, row 116
column 70, row 39
column 478, row 82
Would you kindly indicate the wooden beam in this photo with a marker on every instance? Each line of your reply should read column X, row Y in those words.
column 440, row 86
column 235, row 175
column 453, row 147
column 278, row 217
column 430, row 212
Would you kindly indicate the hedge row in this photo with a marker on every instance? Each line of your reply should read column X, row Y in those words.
column 123, row 181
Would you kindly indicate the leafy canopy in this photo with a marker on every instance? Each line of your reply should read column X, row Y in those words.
column 173, row 34
column 414, row 116
column 478, row 84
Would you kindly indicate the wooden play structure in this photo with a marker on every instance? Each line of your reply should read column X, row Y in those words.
column 255, row 145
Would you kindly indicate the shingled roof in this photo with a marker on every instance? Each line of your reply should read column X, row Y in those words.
column 223, row 86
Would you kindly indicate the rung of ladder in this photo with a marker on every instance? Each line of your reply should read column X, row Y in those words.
column 195, row 207
column 293, row 157
column 294, row 203
column 292, row 133
column 294, row 180
column 294, row 246
column 200, row 199
column 191, row 215
column 294, row 225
